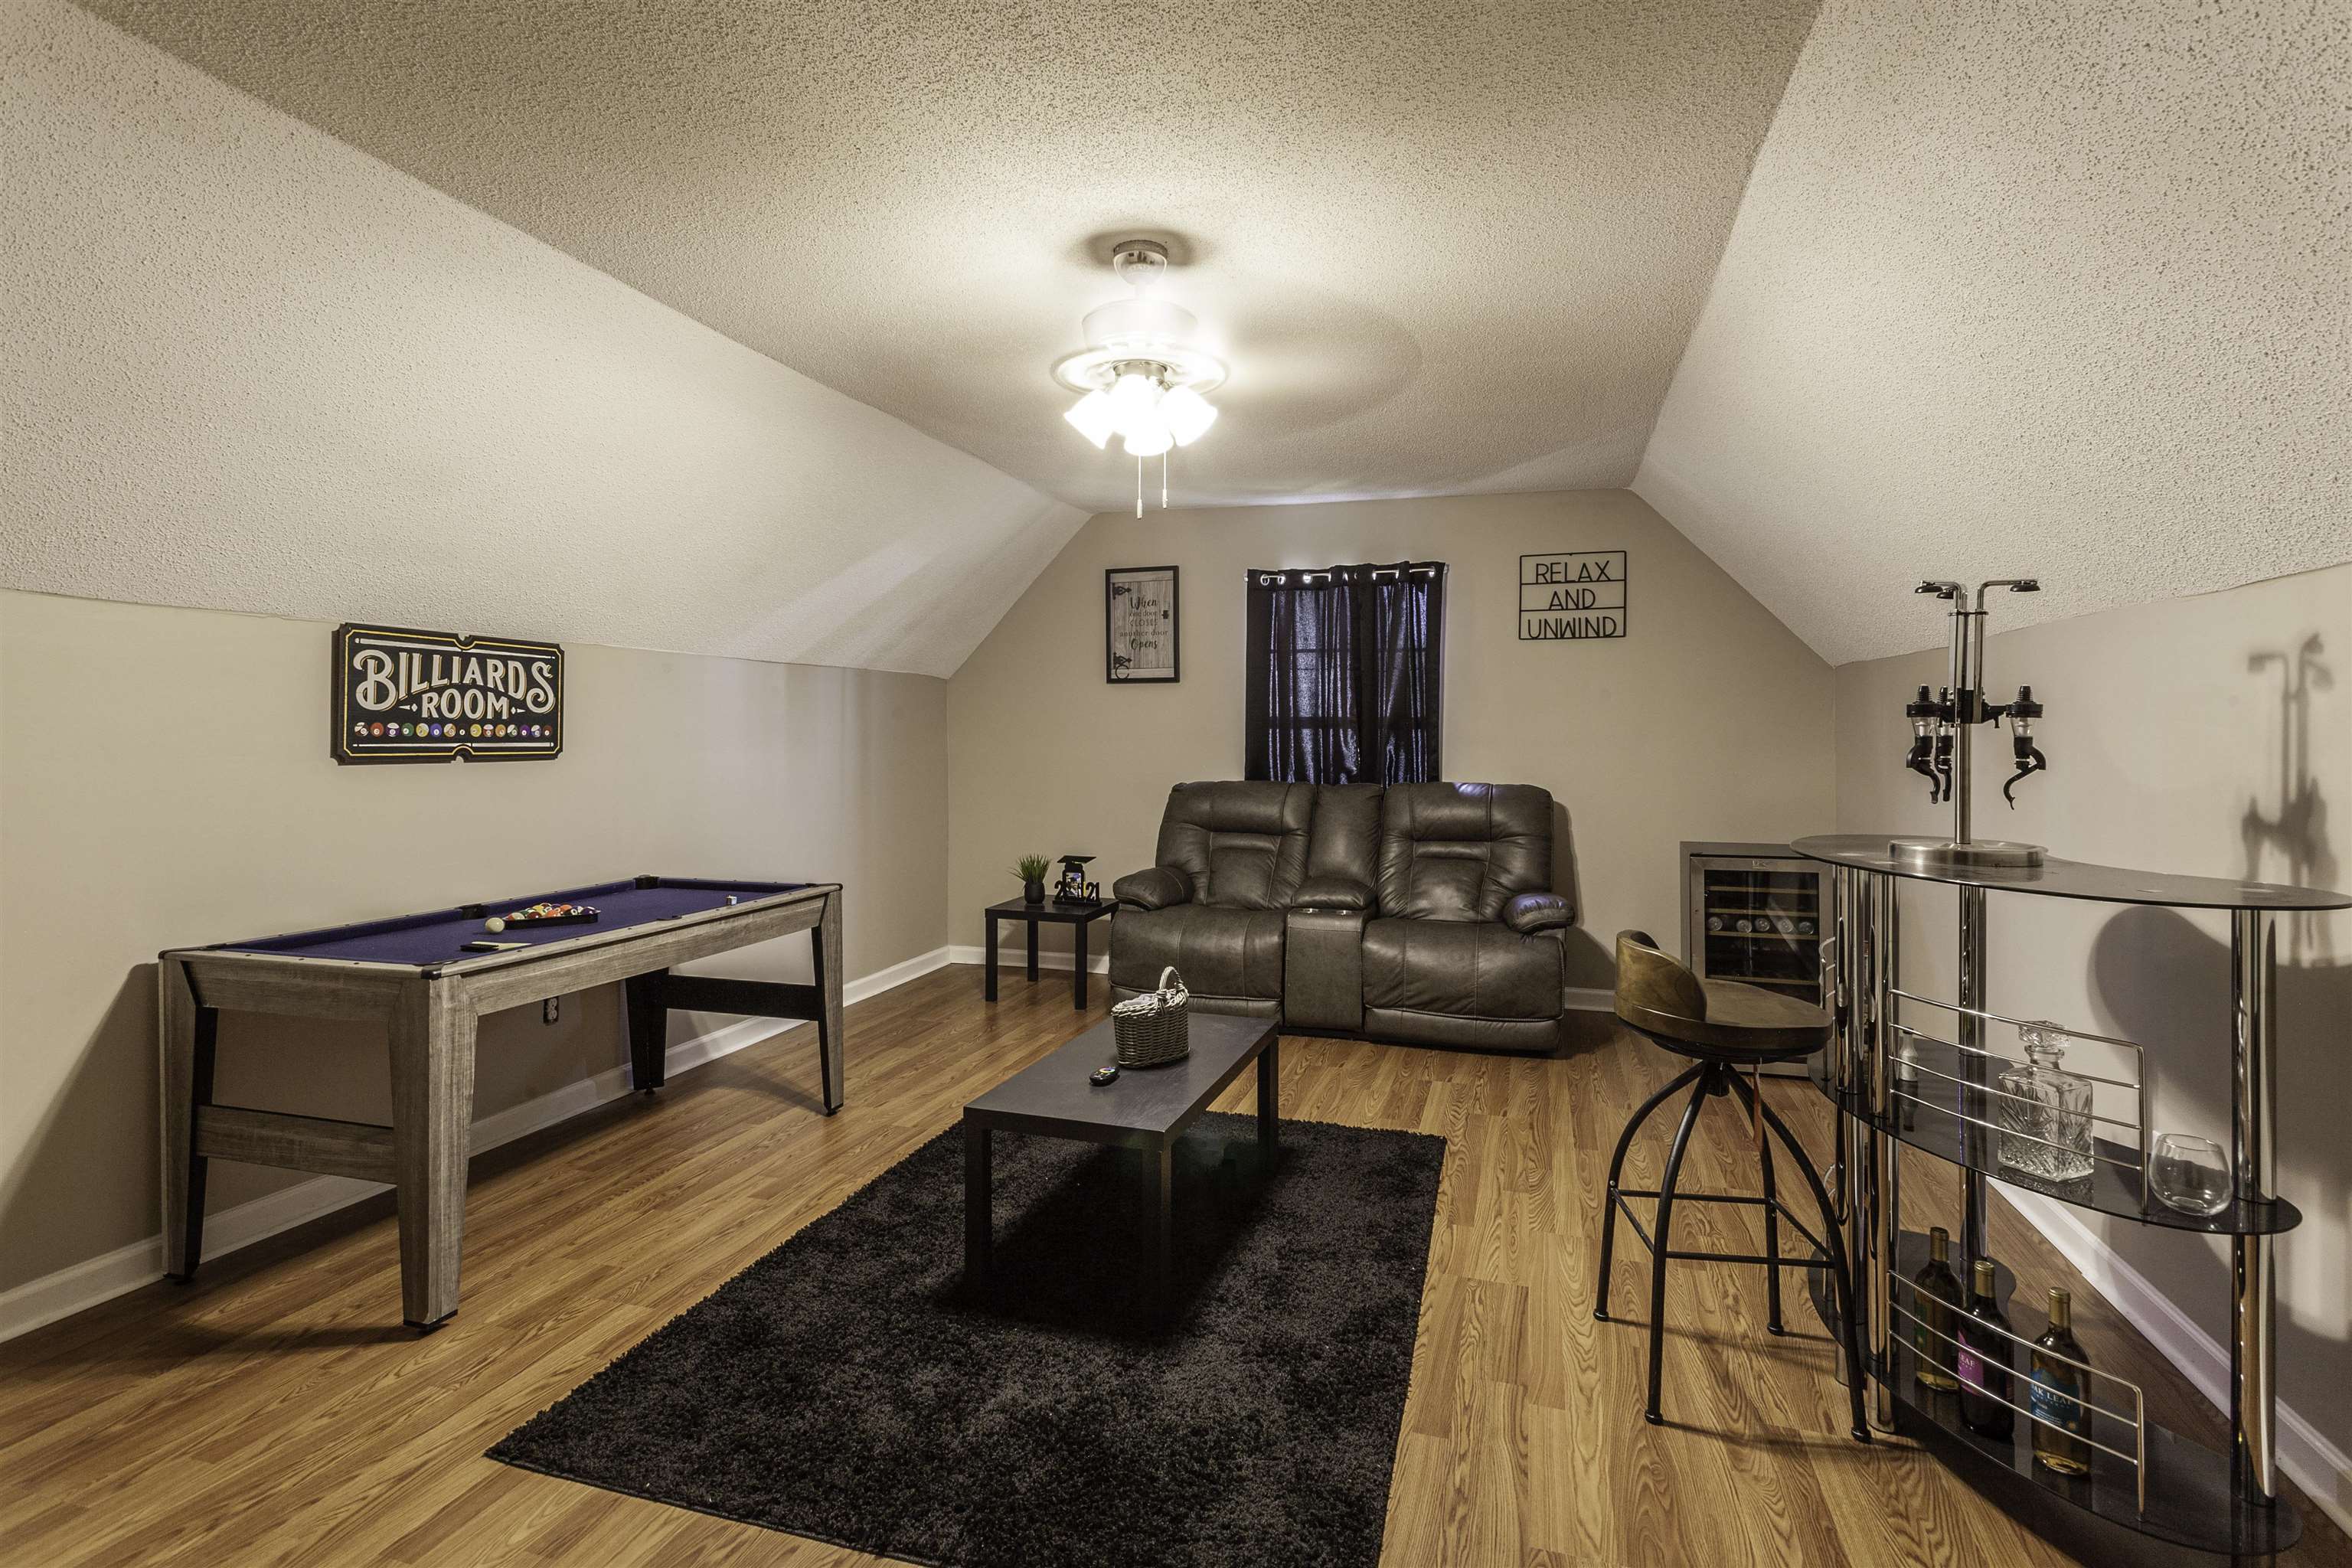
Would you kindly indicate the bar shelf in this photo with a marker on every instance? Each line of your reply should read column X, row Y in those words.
column 2145, row 1478
column 2057, row 878
column 2114, row 1185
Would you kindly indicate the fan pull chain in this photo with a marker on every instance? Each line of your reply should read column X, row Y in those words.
column 1139, row 490
column 1163, row 477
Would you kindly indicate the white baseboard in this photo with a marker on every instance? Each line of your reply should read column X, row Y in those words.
column 2304, row 1453
column 39, row 1302
column 1588, row 999
column 1012, row 956
column 897, row 975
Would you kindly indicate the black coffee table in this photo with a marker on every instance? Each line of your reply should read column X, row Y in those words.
column 1145, row 1108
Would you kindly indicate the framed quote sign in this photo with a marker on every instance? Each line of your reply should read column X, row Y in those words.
column 1572, row 596
column 405, row 695
column 1139, row 626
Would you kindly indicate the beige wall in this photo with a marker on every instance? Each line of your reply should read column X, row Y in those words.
column 2167, row 734
column 164, row 782
column 1708, row 721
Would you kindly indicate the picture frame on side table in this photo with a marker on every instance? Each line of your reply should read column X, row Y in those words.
column 1142, row 628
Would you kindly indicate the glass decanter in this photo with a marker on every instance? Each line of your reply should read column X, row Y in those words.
column 2045, row 1111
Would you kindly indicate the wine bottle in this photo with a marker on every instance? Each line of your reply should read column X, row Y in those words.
column 2057, row 1394
column 1714, row 923
column 1983, row 1365
column 1938, row 1290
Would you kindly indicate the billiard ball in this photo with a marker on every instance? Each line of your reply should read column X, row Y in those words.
column 494, row 925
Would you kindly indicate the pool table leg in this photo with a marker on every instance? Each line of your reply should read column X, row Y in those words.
column 432, row 1035
column 825, row 957
column 189, row 1033
column 649, row 1013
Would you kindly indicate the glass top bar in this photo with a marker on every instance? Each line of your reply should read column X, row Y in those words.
column 2072, row 878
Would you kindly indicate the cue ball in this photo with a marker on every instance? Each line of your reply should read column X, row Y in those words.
column 494, row 924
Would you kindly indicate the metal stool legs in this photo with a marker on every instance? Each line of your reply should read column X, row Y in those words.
column 1616, row 1168
column 1658, row 1247
column 1717, row 1078
column 1772, row 1228
column 1841, row 1274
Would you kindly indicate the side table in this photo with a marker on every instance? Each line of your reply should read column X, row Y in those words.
column 1075, row 916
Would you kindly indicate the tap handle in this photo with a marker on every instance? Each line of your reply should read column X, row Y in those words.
column 2030, row 760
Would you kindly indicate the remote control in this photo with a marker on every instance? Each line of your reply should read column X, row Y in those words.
column 1104, row 1074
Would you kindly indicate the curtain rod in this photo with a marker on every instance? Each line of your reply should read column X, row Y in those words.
column 1308, row 574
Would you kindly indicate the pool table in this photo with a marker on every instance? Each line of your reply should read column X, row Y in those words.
column 418, row 975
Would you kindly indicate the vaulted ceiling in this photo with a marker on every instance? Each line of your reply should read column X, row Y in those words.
column 2046, row 288
column 1448, row 244
column 1961, row 290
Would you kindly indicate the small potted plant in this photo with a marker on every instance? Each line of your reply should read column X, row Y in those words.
column 1031, row 869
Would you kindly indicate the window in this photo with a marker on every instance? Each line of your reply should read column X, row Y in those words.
column 1344, row 671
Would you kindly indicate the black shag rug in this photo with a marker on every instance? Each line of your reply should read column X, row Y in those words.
column 847, row 1388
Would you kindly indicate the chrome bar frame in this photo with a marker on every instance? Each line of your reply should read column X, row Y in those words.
column 1973, row 1209
column 2253, row 1149
column 1996, row 1056
column 1883, row 1157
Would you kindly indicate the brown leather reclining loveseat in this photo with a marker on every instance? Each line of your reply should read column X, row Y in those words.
column 1418, row 913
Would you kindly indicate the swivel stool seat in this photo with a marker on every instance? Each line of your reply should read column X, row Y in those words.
column 1723, row 1027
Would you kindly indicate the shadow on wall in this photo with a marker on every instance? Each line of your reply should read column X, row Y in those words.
column 106, row 1111
column 2289, row 843
column 2167, row 984
column 1591, row 963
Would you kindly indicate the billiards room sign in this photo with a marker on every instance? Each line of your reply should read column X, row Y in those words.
column 406, row 696
column 1573, row 596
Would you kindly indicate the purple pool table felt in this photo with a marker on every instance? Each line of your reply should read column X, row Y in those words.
column 440, row 937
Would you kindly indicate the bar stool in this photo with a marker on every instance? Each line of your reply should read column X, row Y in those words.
column 1723, row 1027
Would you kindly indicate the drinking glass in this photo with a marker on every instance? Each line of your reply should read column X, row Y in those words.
column 2189, row 1174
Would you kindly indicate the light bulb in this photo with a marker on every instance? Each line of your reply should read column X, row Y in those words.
column 1148, row 439
column 1093, row 417
column 1132, row 399
column 1188, row 415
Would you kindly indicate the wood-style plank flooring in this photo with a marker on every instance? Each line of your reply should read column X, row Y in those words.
column 277, row 1413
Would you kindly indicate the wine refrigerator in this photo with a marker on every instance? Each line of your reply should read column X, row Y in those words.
column 1752, row 912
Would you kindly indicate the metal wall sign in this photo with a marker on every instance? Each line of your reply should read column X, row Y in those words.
column 1572, row 596
column 405, row 696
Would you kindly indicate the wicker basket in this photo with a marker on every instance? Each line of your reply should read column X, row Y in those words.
column 1151, row 1030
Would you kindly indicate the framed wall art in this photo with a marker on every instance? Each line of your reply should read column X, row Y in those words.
column 1140, row 625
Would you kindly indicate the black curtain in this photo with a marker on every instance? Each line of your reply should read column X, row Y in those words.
column 1344, row 674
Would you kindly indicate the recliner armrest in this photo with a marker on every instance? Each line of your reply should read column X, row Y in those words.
column 1331, row 892
column 1532, row 912
column 1156, row 888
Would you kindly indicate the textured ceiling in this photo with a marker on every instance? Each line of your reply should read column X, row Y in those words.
column 1447, row 247
column 2046, row 288
column 249, row 368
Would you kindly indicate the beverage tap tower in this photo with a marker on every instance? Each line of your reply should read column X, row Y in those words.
column 1943, row 731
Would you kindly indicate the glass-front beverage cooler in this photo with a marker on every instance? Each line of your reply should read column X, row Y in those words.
column 1753, row 912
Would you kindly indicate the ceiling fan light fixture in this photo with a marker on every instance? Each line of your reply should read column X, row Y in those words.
column 1133, row 396
column 1141, row 376
column 1148, row 439
column 1188, row 415
column 1093, row 417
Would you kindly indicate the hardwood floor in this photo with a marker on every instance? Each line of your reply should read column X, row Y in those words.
column 277, row 1413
